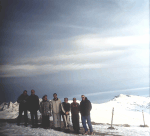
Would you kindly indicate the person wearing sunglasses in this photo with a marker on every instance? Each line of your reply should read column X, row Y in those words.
column 85, row 108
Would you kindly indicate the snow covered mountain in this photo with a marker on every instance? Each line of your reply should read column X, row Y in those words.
column 127, row 110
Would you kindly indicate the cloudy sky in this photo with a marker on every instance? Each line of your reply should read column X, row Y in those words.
column 99, row 48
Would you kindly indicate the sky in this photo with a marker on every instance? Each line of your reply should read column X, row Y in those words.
column 98, row 48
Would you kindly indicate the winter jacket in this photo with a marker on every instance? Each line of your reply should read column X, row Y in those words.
column 45, row 108
column 85, row 107
column 33, row 103
column 56, row 106
column 75, row 108
column 22, row 100
column 65, row 107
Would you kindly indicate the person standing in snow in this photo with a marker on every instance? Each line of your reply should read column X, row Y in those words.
column 45, row 110
column 75, row 115
column 85, row 108
column 33, row 106
column 65, row 107
column 22, row 100
column 56, row 111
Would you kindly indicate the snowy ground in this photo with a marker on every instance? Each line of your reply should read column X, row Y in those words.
column 12, row 129
column 127, row 112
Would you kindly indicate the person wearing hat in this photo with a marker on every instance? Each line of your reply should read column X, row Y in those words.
column 22, row 100
column 56, row 111
column 75, row 115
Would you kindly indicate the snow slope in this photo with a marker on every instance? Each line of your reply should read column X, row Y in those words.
column 127, row 110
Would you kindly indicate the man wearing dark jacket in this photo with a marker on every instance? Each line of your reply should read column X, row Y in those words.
column 85, row 108
column 33, row 106
column 22, row 100
column 65, row 113
column 75, row 115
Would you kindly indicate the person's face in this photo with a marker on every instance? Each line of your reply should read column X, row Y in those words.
column 45, row 98
column 55, row 96
column 74, row 100
column 83, row 98
column 66, row 100
column 32, row 92
column 24, row 93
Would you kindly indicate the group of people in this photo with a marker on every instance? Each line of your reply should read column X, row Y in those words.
column 55, row 108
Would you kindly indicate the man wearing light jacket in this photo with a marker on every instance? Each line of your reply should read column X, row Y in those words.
column 56, row 111
column 22, row 100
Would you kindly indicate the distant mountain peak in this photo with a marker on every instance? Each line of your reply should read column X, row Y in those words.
column 122, row 95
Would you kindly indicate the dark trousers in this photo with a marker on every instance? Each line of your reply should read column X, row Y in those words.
column 34, row 114
column 22, row 109
column 45, row 121
column 75, row 122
